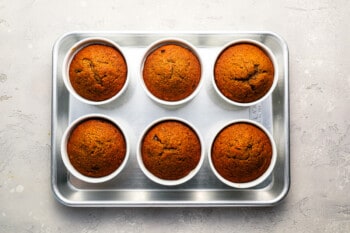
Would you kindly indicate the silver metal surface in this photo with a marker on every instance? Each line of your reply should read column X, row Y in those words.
column 134, row 111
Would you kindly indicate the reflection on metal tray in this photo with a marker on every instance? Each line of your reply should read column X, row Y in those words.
column 206, row 111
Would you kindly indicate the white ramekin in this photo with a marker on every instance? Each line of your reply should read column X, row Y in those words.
column 67, row 162
column 69, row 57
column 163, row 181
column 267, row 52
column 261, row 178
column 153, row 47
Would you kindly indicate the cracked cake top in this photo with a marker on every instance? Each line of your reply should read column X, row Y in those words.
column 241, row 152
column 98, row 72
column 171, row 72
column 170, row 150
column 243, row 73
column 96, row 147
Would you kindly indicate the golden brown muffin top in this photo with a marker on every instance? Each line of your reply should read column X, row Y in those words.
column 241, row 152
column 171, row 72
column 96, row 148
column 170, row 150
column 243, row 73
column 98, row 72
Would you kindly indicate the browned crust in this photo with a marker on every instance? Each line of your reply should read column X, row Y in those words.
column 243, row 73
column 241, row 152
column 170, row 150
column 171, row 72
column 98, row 72
column 96, row 148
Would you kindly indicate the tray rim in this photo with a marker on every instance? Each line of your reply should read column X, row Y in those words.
column 286, row 125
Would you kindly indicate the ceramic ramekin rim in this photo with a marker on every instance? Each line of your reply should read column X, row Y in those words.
column 260, row 179
column 163, row 181
column 153, row 46
column 67, row 162
column 69, row 57
column 269, row 54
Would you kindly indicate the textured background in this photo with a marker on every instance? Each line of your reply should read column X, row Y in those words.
column 318, row 36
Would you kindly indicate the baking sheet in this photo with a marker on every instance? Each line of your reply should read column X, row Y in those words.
column 135, row 110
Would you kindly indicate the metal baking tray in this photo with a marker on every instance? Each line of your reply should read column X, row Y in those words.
column 135, row 111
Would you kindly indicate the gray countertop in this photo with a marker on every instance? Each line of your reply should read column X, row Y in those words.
column 317, row 33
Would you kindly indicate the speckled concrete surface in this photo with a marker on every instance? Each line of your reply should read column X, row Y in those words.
column 317, row 33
